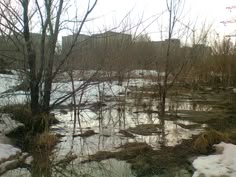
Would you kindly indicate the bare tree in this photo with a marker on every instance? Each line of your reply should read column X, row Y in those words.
column 171, row 57
column 173, row 8
column 42, row 60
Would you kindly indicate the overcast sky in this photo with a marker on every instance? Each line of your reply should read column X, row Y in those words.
column 110, row 14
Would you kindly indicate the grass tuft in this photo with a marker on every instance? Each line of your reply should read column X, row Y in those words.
column 46, row 141
column 205, row 141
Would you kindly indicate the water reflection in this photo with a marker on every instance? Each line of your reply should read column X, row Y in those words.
column 187, row 105
column 107, row 121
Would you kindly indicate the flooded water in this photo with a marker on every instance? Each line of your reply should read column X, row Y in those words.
column 122, row 113
column 107, row 122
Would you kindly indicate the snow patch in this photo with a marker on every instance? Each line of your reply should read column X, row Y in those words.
column 7, row 124
column 219, row 164
column 7, row 150
column 139, row 73
column 7, row 95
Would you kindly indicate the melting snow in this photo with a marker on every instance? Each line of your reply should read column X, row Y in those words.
column 6, row 151
column 219, row 164
column 7, row 124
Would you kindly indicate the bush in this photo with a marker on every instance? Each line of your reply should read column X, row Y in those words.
column 205, row 141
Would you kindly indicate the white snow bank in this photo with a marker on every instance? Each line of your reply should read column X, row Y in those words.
column 219, row 164
column 7, row 150
column 9, row 165
column 7, row 124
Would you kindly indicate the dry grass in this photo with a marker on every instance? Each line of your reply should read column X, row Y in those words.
column 128, row 151
column 46, row 141
column 204, row 142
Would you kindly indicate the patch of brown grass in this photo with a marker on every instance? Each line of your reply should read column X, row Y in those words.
column 46, row 141
column 128, row 151
column 204, row 142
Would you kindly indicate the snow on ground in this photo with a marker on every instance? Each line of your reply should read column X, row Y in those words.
column 7, row 150
column 7, row 124
column 217, row 165
column 14, row 98
column 10, row 156
column 91, row 92
column 7, row 83
column 19, row 172
column 139, row 73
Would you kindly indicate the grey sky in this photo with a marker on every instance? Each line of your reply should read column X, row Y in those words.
column 109, row 14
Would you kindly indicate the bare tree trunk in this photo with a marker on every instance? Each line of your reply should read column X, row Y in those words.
column 47, row 92
column 31, row 58
column 49, row 69
column 163, row 102
column 172, row 6
column 74, row 98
